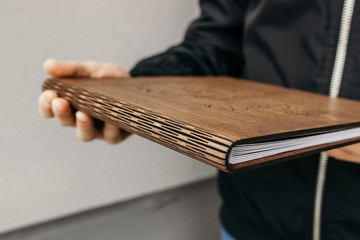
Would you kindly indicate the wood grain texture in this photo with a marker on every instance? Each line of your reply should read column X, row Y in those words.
column 202, row 117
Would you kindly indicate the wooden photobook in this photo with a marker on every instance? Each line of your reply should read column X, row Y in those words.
column 225, row 122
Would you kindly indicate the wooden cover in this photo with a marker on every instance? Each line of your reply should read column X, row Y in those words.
column 202, row 117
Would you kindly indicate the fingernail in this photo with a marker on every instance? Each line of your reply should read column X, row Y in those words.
column 57, row 104
column 81, row 117
column 47, row 97
column 49, row 63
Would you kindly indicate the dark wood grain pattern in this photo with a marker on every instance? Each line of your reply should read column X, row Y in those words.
column 202, row 117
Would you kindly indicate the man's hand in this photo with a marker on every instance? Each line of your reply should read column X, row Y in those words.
column 50, row 105
column 350, row 153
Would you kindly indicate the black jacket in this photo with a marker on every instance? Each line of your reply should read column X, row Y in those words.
column 283, row 42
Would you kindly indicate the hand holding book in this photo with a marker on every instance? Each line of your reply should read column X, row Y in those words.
column 50, row 105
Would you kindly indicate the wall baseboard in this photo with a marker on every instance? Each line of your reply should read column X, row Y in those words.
column 187, row 212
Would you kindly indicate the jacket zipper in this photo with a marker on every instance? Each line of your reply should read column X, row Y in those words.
column 336, row 78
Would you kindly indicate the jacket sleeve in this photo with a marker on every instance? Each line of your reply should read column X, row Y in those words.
column 212, row 44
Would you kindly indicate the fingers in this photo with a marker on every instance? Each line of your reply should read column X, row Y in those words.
column 353, row 148
column 350, row 153
column 107, row 70
column 51, row 105
column 58, row 68
column 62, row 111
column 85, row 129
column 45, row 103
column 344, row 155
column 112, row 134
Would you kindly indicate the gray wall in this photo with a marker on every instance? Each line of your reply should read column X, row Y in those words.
column 186, row 213
column 45, row 172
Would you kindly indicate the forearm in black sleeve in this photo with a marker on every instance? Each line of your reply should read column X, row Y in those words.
column 212, row 45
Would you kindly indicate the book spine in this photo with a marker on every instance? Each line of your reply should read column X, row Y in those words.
column 188, row 140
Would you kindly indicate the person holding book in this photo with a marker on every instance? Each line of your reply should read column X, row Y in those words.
column 303, row 44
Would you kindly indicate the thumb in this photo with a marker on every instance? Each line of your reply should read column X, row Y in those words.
column 58, row 68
